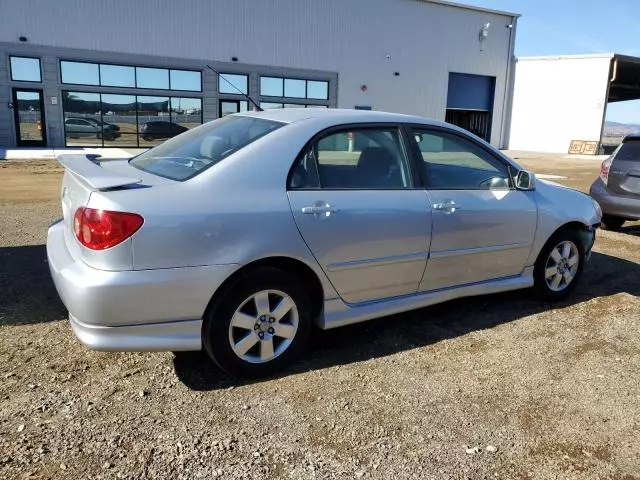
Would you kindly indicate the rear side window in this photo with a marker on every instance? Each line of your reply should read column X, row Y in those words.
column 629, row 151
column 355, row 159
column 192, row 152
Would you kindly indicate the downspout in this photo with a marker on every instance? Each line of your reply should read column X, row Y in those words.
column 507, row 101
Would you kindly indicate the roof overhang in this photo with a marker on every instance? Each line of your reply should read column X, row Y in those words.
column 473, row 7
column 625, row 79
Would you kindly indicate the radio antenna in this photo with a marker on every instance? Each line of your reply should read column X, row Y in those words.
column 260, row 109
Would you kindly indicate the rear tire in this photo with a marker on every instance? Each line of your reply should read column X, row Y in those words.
column 260, row 325
column 611, row 222
column 559, row 266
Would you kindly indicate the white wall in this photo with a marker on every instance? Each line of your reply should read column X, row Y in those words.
column 424, row 41
column 557, row 100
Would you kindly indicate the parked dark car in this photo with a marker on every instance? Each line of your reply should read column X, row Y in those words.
column 159, row 129
column 617, row 190
column 76, row 127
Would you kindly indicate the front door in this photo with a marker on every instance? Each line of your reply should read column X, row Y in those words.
column 28, row 113
column 483, row 228
column 353, row 200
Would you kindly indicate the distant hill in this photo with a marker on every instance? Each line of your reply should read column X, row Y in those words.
column 616, row 129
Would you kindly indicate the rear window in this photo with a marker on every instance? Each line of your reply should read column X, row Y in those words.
column 189, row 154
column 629, row 151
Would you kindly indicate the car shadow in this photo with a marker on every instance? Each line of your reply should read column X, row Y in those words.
column 604, row 276
column 633, row 229
column 27, row 292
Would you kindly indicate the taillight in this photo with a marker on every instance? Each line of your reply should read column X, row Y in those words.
column 101, row 229
column 604, row 170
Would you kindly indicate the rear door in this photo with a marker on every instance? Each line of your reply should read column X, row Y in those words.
column 624, row 173
column 483, row 228
column 353, row 200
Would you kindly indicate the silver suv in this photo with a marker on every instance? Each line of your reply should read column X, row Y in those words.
column 617, row 190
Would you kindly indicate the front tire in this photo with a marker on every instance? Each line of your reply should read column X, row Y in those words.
column 260, row 325
column 612, row 223
column 559, row 266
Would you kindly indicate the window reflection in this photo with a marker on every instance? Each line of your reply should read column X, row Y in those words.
column 152, row 78
column 318, row 90
column 270, row 105
column 117, row 76
column 186, row 113
column 271, row 87
column 82, row 119
column 24, row 69
column 227, row 81
column 185, row 80
column 154, row 122
column 80, row 73
column 295, row 88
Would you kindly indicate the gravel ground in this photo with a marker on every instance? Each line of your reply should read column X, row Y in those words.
column 490, row 387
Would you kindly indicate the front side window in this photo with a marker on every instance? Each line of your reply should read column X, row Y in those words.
column 190, row 154
column 358, row 158
column 25, row 69
column 451, row 162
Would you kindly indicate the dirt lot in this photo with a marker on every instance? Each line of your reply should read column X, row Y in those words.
column 491, row 387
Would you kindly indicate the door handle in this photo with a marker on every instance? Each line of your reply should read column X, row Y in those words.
column 320, row 209
column 448, row 206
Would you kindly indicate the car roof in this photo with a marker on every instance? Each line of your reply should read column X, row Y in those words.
column 291, row 115
column 635, row 137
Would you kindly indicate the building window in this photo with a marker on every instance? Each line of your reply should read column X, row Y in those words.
column 113, row 120
column 294, row 88
column 185, row 80
column 107, row 75
column 227, row 82
column 156, row 78
column 271, row 105
column 25, row 69
column 117, row 76
column 80, row 73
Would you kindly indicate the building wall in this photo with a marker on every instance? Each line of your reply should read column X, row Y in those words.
column 363, row 41
column 557, row 100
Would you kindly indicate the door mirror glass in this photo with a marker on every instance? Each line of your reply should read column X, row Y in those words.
column 525, row 180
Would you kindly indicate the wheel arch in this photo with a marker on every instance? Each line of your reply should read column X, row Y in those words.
column 584, row 231
column 310, row 279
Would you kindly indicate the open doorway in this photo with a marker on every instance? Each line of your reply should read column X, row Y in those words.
column 470, row 103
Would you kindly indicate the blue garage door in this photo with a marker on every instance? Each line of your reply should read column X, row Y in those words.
column 470, row 102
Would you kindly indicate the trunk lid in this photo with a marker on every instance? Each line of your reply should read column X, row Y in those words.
column 84, row 178
column 624, row 173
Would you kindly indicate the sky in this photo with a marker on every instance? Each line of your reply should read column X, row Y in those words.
column 571, row 27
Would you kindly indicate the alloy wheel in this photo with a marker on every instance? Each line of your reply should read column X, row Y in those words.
column 562, row 266
column 264, row 326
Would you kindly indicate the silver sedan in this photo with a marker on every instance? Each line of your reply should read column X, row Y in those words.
column 238, row 235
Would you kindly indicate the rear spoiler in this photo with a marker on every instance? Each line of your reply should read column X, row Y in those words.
column 93, row 174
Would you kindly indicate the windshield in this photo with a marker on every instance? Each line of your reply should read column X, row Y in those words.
column 192, row 152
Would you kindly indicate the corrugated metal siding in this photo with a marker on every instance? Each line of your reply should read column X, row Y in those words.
column 365, row 41
column 556, row 101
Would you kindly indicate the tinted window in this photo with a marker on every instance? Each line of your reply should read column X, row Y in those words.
column 117, row 76
column 80, row 73
column 227, row 82
column 452, row 162
column 78, row 107
column 629, row 150
column 25, row 69
column 188, row 155
column 157, row 78
column 318, row 90
column 295, row 88
column 185, row 80
column 368, row 158
column 271, row 87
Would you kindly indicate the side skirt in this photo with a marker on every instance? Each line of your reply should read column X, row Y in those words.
column 338, row 314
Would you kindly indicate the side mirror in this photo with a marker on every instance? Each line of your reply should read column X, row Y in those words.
column 526, row 180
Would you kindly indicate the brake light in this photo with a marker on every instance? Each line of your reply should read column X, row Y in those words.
column 102, row 229
column 604, row 170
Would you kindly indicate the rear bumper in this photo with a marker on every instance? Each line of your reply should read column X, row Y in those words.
column 152, row 337
column 614, row 204
column 132, row 310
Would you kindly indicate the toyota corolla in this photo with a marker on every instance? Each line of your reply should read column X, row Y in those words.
column 237, row 236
